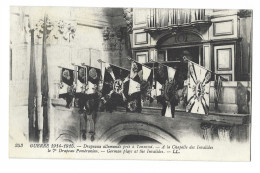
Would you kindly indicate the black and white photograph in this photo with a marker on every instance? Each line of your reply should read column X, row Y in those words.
column 130, row 83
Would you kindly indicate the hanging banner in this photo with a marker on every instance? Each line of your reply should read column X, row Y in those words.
column 66, row 90
column 81, row 79
column 66, row 82
column 93, row 79
column 139, row 87
column 198, row 89
column 115, row 87
column 92, row 93
column 165, row 88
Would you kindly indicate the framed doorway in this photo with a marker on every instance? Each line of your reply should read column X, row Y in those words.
column 174, row 54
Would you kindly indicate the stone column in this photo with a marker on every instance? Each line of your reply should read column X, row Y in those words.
column 207, row 55
column 153, row 54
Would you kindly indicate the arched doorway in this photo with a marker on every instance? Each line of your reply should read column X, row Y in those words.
column 173, row 46
column 137, row 139
column 137, row 132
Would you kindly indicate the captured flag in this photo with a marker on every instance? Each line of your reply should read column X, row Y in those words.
column 93, row 79
column 198, row 89
column 66, row 86
column 163, row 75
column 92, row 93
column 115, row 86
column 140, row 78
column 171, row 73
column 81, row 79
column 114, row 79
column 140, row 85
column 66, row 90
column 166, row 88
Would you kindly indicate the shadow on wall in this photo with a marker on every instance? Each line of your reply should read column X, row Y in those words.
column 116, row 39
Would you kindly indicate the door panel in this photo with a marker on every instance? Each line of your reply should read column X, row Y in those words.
column 224, row 61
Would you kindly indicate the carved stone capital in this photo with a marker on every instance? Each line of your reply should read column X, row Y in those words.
column 128, row 16
column 56, row 29
column 245, row 13
column 113, row 38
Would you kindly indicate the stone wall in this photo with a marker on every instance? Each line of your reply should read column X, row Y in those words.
column 75, row 37
column 113, row 127
column 235, row 98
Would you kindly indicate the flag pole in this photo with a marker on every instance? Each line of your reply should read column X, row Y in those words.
column 101, row 61
column 160, row 63
column 76, row 65
column 75, row 74
column 82, row 64
column 131, row 59
column 184, row 58
column 64, row 67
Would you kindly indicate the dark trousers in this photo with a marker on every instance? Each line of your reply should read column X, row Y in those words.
column 81, row 100
column 68, row 97
column 165, row 107
column 91, row 102
column 162, row 101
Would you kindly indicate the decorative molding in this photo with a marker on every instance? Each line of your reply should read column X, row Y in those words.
column 216, row 33
column 113, row 38
column 56, row 29
column 67, row 30
column 198, row 25
column 219, row 68
column 183, row 37
column 245, row 13
column 227, row 65
column 39, row 28
column 140, row 16
column 141, row 35
column 128, row 16
column 144, row 55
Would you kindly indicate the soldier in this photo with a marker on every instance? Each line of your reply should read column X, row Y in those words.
column 92, row 98
column 182, row 77
column 81, row 87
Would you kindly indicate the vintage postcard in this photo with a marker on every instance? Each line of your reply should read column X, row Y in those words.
column 130, row 83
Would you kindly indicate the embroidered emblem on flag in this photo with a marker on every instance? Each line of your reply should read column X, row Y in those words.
column 115, row 86
column 66, row 81
column 198, row 90
column 81, row 80
column 93, row 76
